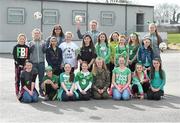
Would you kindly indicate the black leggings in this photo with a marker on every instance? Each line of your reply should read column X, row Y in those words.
column 84, row 96
column 68, row 98
column 154, row 95
column 145, row 86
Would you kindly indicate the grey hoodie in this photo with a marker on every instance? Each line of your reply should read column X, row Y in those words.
column 37, row 50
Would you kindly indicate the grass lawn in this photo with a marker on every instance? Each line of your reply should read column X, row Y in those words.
column 174, row 38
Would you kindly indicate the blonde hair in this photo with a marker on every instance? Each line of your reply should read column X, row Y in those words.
column 21, row 34
column 94, row 70
column 70, row 33
column 36, row 30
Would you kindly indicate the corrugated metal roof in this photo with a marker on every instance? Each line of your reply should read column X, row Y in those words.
column 95, row 2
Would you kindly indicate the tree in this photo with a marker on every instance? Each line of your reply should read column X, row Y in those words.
column 166, row 12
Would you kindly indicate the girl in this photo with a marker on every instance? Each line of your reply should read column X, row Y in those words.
column 50, row 84
column 37, row 51
column 21, row 53
column 54, row 56
column 121, row 80
column 140, row 81
column 145, row 54
column 133, row 50
column 101, row 80
column 102, row 48
column 155, row 39
column 84, row 81
column 28, row 92
column 113, row 42
column 69, row 51
column 58, row 33
column 67, row 90
column 157, row 81
column 122, row 49
column 87, row 52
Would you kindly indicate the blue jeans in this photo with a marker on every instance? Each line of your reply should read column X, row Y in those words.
column 27, row 98
column 125, row 95
column 41, row 68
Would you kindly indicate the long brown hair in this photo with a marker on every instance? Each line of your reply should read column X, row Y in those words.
column 111, row 39
column 54, row 28
column 137, row 39
column 157, row 34
column 106, row 40
column 161, row 72
column 71, row 74
column 94, row 70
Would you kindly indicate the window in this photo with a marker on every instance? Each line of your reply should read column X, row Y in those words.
column 50, row 16
column 16, row 16
column 107, row 18
column 79, row 13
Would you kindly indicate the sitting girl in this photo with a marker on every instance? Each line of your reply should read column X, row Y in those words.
column 29, row 93
column 67, row 90
column 84, row 82
column 101, row 78
column 140, row 81
column 121, row 80
column 158, row 79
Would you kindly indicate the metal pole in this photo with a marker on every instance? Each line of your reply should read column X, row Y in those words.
column 87, row 19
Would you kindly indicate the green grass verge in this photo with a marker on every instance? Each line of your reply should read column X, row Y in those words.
column 173, row 38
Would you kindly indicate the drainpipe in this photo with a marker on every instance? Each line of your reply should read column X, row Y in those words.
column 126, row 19
column 87, row 18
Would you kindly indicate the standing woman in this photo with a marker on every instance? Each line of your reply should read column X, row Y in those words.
column 29, row 93
column 157, row 81
column 54, row 56
column 87, row 52
column 103, row 49
column 67, row 91
column 37, row 53
column 58, row 33
column 121, row 80
column 113, row 42
column 155, row 39
column 133, row 50
column 122, row 49
column 69, row 50
column 21, row 53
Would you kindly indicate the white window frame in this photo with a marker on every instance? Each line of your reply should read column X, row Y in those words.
column 46, row 15
column 76, row 12
column 103, row 16
column 9, row 9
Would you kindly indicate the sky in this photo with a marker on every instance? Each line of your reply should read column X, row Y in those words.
column 155, row 2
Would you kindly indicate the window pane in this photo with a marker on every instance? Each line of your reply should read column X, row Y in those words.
column 16, row 15
column 50, row 16
column 107, row 18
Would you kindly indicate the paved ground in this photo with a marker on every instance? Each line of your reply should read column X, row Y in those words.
column 166, row 110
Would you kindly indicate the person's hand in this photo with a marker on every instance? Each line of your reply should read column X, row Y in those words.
column 80, row 61
column 71, row 93
column 31, row 93
column 83, row 92
column 102, row 91
column 129, row 62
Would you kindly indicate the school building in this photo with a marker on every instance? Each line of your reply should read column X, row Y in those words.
column 18, row 16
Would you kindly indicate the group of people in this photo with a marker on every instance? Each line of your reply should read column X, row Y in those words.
column 120, row 67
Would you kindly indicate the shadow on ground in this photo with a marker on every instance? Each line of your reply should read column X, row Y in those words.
column 57, row 107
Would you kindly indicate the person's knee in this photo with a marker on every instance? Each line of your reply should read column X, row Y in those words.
column 116, row 94
column 156, row 96
column 126, row 95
